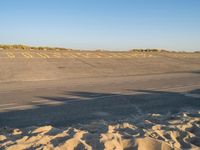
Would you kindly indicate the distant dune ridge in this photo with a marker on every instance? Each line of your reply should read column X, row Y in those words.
column 26, row 47
column 144, row 132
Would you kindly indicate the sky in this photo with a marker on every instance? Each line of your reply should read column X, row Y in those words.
column 102, row 24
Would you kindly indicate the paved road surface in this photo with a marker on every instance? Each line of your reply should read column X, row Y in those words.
column 69, row 101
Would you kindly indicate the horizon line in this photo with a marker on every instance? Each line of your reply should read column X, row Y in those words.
column 91, row 49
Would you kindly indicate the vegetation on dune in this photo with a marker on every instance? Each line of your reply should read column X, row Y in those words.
column 148, row 50
column 14, row 46
column 25, row 47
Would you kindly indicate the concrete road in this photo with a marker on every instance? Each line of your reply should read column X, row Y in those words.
column 82, row 100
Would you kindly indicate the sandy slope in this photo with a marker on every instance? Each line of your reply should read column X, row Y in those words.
column 145, row 132
column 48, row 65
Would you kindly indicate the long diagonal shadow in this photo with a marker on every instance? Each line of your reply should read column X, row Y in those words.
column 85, row 107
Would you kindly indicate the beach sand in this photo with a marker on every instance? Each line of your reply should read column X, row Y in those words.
column 143, row 132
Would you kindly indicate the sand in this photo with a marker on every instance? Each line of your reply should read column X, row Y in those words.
column 143, row 132
column 37, row 65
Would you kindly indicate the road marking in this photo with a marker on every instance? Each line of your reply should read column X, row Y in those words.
column 86, row 55
column 74, row 56
column 27, row 55
column 43, row 55
column 57, row 55
column 70, row 55
column 98, row 56
column 79, row 55
column 10, row 55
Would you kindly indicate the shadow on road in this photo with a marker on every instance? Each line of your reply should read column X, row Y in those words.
column 196, row 72
column 84, row 107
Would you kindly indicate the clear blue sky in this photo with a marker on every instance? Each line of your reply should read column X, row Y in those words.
column 102, row 24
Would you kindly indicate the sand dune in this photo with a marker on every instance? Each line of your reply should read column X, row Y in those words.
column 144, row 132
